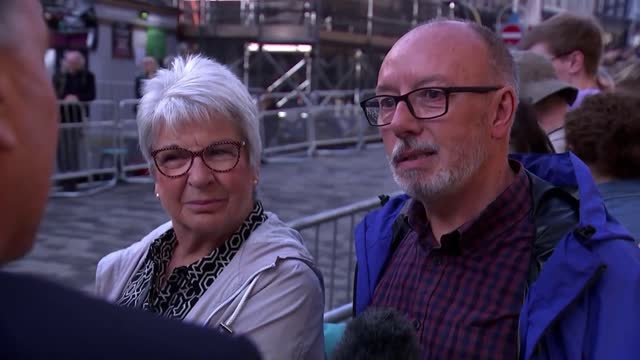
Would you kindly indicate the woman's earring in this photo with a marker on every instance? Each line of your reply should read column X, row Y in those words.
column 157, row 195
column 255, row 181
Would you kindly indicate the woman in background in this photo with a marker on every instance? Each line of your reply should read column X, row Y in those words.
column 526, row 134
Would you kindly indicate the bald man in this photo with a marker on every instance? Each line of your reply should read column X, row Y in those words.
column 461, row 254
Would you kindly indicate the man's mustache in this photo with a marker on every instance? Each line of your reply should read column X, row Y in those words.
column 407, row 148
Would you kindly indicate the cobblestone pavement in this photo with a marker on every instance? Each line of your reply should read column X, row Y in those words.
column 77, row 232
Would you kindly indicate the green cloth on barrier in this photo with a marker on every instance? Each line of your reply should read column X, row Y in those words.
column 332, row 335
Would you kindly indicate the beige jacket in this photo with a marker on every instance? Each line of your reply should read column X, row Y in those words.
column 270, row 291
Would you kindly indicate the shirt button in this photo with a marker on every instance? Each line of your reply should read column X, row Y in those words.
column 416, row 324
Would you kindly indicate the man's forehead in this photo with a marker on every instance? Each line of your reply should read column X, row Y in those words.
column 438, row 55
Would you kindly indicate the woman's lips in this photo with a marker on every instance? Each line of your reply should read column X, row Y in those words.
column 201, row 205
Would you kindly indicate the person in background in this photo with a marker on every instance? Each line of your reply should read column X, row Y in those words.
column 550, row 97
column 574, row 45
column 378, row 334
column 40, row 319
column 167, row 61
column 75, row 86
column 605, row 132
column 526, row 134
column 149, row 70
column 222, row 261
column 75, row 82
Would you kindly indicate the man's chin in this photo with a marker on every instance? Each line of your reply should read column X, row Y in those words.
column 419, row 185
column 409, row 178
column 409, row 183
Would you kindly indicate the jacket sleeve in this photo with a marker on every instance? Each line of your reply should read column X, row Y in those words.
column 614, row 319
column 138, row 87
column 106, row 276
column 114, row 270
column 89, row 91
column 284, row 317
column 57, row 80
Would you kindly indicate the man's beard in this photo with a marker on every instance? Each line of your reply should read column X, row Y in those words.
column 465, row 161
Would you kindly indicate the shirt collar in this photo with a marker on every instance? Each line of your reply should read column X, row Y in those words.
column 162, row 248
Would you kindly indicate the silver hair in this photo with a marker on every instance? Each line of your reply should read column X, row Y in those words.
column 195, row 89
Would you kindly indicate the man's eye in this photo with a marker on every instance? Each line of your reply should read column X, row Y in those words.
column 430, row 94
column 387, row 103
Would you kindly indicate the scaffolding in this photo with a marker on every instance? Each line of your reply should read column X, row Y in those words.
column 295, row 47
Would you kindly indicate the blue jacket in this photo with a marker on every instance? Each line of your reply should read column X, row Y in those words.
column 583, row 304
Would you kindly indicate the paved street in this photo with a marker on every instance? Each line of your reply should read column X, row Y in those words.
column 77, row 232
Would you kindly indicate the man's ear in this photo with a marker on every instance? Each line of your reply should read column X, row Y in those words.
column 576, row 62
column 8, row 138
column 505, row 110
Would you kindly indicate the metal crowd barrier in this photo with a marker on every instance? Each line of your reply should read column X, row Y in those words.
column 133, row 166
column 84, row 160
column 99, row 139
column 115, row 91
column 340, row 314
column 311, row 128
column 329, row 237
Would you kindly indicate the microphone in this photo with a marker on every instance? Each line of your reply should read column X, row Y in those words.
column 378, row 334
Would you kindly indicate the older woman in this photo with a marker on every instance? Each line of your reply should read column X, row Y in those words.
column 222, row 260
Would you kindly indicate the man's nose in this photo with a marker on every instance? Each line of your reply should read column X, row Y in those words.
column 403, row 123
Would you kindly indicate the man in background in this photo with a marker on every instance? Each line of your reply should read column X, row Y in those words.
column 573, row 45
column 75, row 82
column 38, row 319
column 75, row 86
column 149, row 70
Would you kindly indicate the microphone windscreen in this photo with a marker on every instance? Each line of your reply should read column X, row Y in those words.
column 378, row 334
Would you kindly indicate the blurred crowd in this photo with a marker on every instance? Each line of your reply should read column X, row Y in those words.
column 585, row 100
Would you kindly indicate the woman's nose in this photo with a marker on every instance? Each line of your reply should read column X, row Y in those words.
column 200, row 174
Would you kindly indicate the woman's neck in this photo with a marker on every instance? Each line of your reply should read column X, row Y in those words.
column 192, row 245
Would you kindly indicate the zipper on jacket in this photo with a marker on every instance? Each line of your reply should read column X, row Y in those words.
column 592, row 280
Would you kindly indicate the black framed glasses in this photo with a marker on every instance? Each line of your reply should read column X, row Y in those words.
column 423, row 103
column 174, row 161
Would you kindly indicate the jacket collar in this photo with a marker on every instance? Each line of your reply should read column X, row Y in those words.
column 567, row 171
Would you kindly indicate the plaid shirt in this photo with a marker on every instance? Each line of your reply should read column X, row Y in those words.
column 464, row 296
